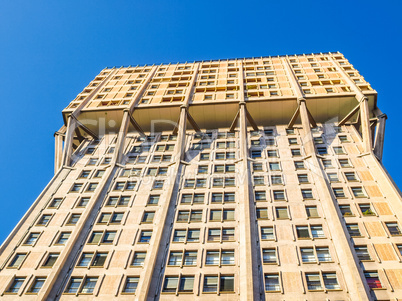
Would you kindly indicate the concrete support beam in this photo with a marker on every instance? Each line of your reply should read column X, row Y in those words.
column 68, row 141
column 58, row 148
column 379, row 139
column 249, row 280
column 149, row 281
column 365, row 124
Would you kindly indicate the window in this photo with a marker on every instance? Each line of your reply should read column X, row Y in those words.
column 303, row 178
column 307, row 194
column 76, row 188
column 267, row 233
column 227, row 197
column 333, row 177
column 224, row 234
column 344, row 163
column 50, row 260
column 318, row 140
column 44, row 220
column 339, row 150
column 281, row 213
column 186, row 235
column 393, row 229
column 106, row 237
column 64, row 236
column 276, row 180
column 317, row 231
column 322, row 151
column 222, row 215
column 172, row 284
column 258, row 180
column 203, row 169
column 302, row 232
column 211, row 283
column 222, row 257
column 17, row 260
column 37, row 285
column 292, row 141
column 274, row 166
column 138, row 259
column 353, row 230
column 197, row 198
column 327, row 163
column 323, row 254
column 313, row 281
column 295, row 152
column 339, row 193
column 31, row 239
column 272, row 283
column 358, row 192
column 73, row 219
column 272, row 154
column 83, row 202
column 16, row 285
column 372, row 279
column 269, row 256
column 148, row 217
column 351, row 176
column 343, row 138
column 256, row 154
column 257, row 166
column 204, row 156
column 362, row 253
column 55, row 203
column 307, row 255
column 345, row 210
column 299, row 165
column 145, row 236
column 131, row 285
column 366, row 209
column 158, row 184
column 262, row 213
column 260, row 196
column 279, row 195
column 330, row 281
column 312, row 211
column 153, row 200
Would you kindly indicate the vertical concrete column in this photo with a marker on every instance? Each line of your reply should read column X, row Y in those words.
column 379, row 139
column 58, row 151
column 149, row 280
column 365, row 121
column 249, row 280
column 354, row 277
column 121, row 138
column 68, row 142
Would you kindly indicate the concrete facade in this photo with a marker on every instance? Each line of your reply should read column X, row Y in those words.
column 239, row 179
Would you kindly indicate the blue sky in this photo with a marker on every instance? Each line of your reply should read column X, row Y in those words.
column 50, row 50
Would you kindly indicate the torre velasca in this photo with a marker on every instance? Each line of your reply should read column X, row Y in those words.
column 238, row 179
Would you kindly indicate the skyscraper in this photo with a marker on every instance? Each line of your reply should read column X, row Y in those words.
column 241, row 179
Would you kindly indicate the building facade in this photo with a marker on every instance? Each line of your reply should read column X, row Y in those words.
column 238, row 179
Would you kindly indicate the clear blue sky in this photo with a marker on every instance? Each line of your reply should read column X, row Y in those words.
column 50, row 50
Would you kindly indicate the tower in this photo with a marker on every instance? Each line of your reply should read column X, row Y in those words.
column 255, row 178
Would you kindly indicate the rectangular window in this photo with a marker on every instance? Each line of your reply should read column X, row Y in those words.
column 307, row 194
column 313, row 281
column 351, row 176
column 44, row 220
column 131, row 285
column 274, row 166
column 279, row 195
column 262, row 213
column 138, row 259
column 260, row 196
column 327, row 163
column 37, row 285
column 272, row 283
column 16, row 285
column 307, row 255
column 299, row 165
column 269, row 256
column 366, row 209
column 17, row 260
column 373, row 280
column 31, row 239
column 295, row 152
column 353, row 230
column 50, row 260
column 312, row 211
column 345, row 210
column 55, row 203
column 145, row 236
column 344, row 163
column 276, row 180
column 64, row 236
column 339, row 193
column 303, row 178
column 330, row 281
column 302, row 232
column 267, row 233
column 281, row 213
column 393, row 229
column 362, row 253
column 358, row 192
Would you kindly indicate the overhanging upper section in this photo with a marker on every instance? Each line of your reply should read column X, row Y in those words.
column 212, row 91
